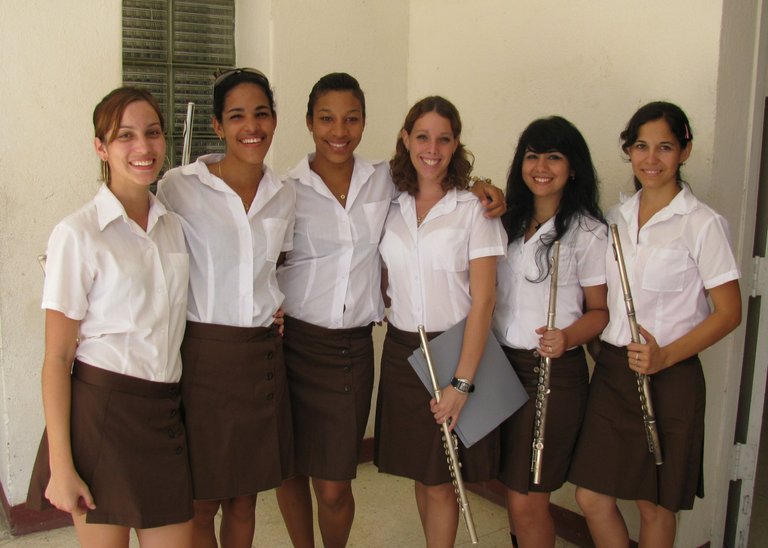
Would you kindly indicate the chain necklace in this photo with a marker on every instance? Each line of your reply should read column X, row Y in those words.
column 246, row 205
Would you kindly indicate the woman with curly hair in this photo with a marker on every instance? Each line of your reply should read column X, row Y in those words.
column 439, row 253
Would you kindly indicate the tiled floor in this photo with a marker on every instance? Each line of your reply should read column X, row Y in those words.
column 386, row 516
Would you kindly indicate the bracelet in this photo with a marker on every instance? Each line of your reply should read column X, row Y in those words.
column 464, row 386
column 474, row 180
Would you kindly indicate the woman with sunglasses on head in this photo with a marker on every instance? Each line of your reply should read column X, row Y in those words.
column 552, row 195
column 115, row 299
column 341, row 203
column 439, row 252
column 237, row 218
column 678, row 255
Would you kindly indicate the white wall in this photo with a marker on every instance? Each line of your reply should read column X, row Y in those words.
column 503, row 64
column 56, row 62
column 366, row 39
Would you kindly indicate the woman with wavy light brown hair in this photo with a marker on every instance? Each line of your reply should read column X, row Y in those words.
column 439, row 254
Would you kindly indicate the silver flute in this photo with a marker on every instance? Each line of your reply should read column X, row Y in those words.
column 545, row 365
column 186, row 149
column 643, row 382
column 450, row 443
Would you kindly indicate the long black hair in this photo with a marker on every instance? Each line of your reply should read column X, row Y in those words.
column 580, row 195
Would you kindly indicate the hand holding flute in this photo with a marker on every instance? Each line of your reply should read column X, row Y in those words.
column 643, row 383
column 545, row 364
column 450, row 443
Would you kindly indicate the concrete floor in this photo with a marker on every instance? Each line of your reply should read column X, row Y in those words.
column 386, row 516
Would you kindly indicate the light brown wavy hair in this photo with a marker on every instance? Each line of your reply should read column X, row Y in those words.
column 404, row 174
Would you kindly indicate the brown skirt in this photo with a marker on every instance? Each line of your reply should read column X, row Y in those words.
column 408, row 441
column 128, row 446
column 612, row 454
column 569, row 382
column 330, row 379
column 236, row 409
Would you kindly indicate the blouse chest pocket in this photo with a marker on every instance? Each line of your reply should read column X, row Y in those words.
column 665, row 270
column 274, row 233
column 176, row 270
column 375, row 215
column 567, row 266
column 448, row 248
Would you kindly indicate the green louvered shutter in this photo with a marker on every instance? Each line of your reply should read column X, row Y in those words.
column 172, row 48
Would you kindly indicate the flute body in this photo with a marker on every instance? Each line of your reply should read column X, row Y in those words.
column 451, row 446
column 186, row 147
column 643, row 382
column 545, row 365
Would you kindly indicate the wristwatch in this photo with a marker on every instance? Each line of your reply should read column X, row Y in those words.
column 462, row 385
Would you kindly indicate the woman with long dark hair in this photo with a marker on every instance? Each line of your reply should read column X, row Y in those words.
column 552, row 195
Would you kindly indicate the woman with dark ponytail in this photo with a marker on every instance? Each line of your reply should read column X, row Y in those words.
column 678, row 254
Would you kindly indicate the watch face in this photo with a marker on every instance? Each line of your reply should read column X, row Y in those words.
column 461, row 385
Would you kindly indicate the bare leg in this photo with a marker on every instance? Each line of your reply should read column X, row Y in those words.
column 529, row 517
column 238, row 521
column 657, row 525
column 97, row 535
column 335, row 511
column 203, row 529
column 177, row 535
column 295, row 502
column 440, row 517
column 606, row 525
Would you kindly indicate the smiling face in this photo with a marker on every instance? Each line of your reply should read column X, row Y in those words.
column 247, row 124
column 431, row 144
column 656, row 155
column 337, row 125
column 546, row 173
column 137, row 150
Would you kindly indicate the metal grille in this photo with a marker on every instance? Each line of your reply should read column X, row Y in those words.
column 172, row 48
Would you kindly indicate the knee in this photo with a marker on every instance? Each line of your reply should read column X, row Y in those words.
column 205, row 511
column 524, row 513
column 440, row 494
column 530, row 509
column 594, row 504
column 333, row 495
column 653, row 514
column 241, row 508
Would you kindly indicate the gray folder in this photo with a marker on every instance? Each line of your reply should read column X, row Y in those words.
column 498, row 392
